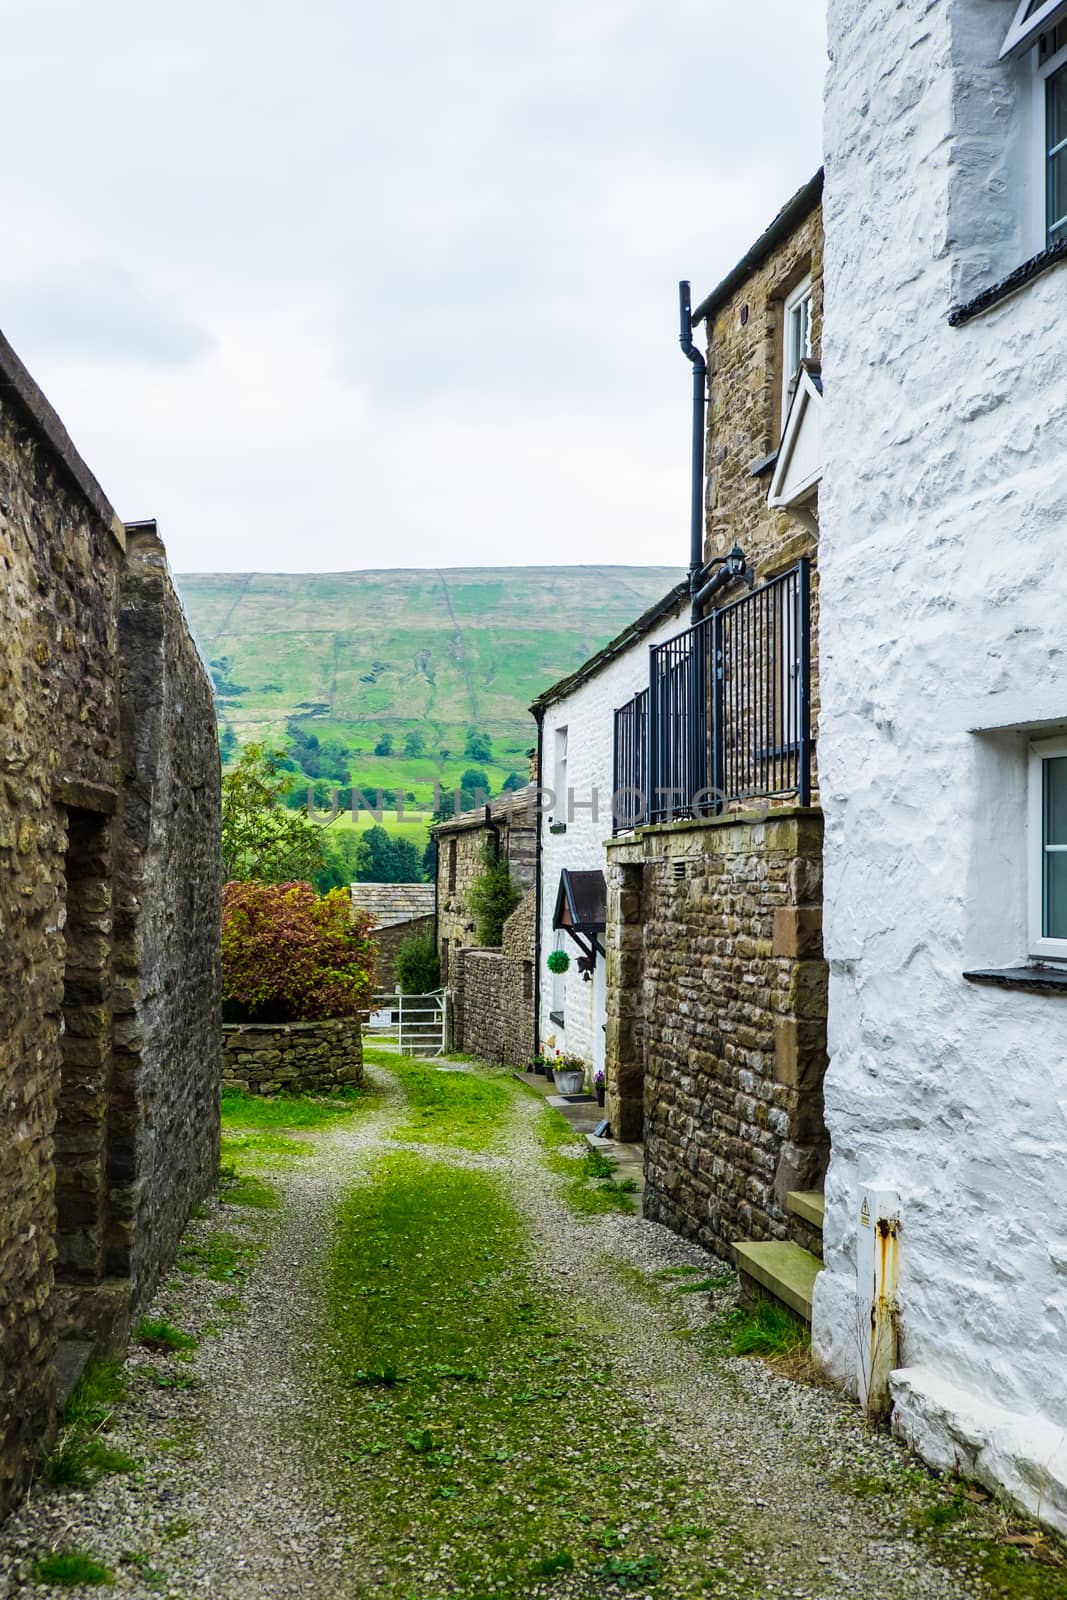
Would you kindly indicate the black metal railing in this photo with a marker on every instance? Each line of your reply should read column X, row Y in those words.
column 629, row 787
column 727, row 715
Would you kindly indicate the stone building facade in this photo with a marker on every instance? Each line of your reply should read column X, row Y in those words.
column 507, row 828
column 109, row 906
column 716, row 989
column 945, row 676
column 401, row 911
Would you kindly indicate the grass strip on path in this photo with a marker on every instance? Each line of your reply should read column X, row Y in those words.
column 469, row 1110
column 486, row 1436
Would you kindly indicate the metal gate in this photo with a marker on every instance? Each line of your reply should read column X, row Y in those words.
column 411, row 1024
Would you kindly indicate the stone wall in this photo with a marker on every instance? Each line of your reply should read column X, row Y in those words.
column 493, row 1008
column 292, row 1057
column 716, row 1020
column 511, row 828
column 90, row 1031
column 387, row 942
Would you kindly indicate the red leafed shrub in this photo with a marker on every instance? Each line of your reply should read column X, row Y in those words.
column 289, row 956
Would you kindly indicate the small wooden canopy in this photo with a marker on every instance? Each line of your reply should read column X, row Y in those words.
column 582, row 911
column 799, row 465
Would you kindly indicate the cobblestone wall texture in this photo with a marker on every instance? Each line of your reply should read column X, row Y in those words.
column 84, row 1048
column 716, row 1021
column 293, row 1057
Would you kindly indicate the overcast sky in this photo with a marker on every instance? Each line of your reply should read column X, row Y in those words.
column 338, row 285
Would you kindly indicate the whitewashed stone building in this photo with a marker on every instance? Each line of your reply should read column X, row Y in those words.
column 576, row 720
column 943, row 733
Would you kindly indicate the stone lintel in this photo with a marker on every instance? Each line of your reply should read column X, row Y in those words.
column 85, row 796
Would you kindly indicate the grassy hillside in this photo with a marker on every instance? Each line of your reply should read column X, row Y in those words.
column 352, row 657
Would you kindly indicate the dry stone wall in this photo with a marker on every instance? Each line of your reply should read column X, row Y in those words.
column 293, row 1057
column 108, row 1066
column 493, row 1017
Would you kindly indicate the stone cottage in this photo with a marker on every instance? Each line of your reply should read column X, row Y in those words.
column 489, row 992
column 943, row 742
column 716, row 987
column 109, row 909
column 579, row 797
column 400, row 911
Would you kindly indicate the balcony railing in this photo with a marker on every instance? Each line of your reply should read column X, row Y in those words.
column 727, row 716
column 630, row 776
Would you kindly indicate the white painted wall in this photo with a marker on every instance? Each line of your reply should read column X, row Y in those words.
column 588, row 715
column 943, row 637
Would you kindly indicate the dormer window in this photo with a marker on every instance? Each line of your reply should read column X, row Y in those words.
column 796, row 340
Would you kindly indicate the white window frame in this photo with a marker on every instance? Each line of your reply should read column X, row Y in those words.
column 1041, row 750
column 1025, row 31
column 790, row 306
column 1042, row 72
column 559, row 777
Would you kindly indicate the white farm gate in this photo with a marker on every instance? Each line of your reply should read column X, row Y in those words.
column 411, row 1024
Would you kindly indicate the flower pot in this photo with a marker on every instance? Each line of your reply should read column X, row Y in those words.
column 601, row 1091
column 569, row 1080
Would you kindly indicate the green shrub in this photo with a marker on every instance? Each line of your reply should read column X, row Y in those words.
column 418, row 970
column 493, row 897
column 290, row 957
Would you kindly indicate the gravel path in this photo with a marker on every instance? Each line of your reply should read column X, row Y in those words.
column 241, row 1444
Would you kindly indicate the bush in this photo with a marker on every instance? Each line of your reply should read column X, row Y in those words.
column 418, row 970
column 289, row 957
column 493, row 897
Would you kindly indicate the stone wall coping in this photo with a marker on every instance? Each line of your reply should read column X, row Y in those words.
column 288, row 1027
column 45, row 422
column 748, row 819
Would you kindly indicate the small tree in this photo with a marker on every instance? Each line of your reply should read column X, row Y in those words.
column 475, row 781
column 417, row 968
column 414, row 743
column 514, row 780
column 492, row 897
column 288, row 956
column 479, row 746
column 262, row 840
column 384, row 747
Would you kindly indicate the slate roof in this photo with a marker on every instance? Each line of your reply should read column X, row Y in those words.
column 390, row 903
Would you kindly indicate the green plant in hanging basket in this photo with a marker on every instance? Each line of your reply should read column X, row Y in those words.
column 558, row 961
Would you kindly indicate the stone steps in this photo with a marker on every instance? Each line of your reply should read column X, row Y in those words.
column 808, row 1204
column 72, row 1358
column 781, row 1269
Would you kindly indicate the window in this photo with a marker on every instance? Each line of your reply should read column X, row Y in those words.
column 1048, row 849
column 559, row 780
column 451, row 865
column 1039, row 29
column 1051, row 67
column 796, row 340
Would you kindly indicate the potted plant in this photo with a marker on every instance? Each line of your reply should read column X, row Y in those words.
column 599, row 1086
column 569, row 1074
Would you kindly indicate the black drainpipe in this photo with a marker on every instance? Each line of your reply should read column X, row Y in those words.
column 539, row 715
column 696, row 500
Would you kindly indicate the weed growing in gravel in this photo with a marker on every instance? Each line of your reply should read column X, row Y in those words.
column 71, row 1568
column 486, row 1436
column 81, row 1453
column 767, row 1329
column 156, row 1333
column 592, row 1190
column 246, row 1190
column 222, row 1257
column 467, row 1109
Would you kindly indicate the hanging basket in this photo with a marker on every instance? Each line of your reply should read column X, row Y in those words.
column 558, row 961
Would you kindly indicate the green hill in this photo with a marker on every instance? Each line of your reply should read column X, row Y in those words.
column 353, row 660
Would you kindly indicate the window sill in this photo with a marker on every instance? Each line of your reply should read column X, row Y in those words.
column 1036, row 979
column 557, row 827
column 557, row 1018
column 762, row 465
column 1008, row 286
